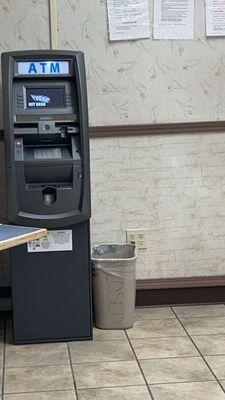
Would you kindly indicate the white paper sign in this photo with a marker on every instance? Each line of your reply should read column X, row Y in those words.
column 215, row 17
column 60, row 240
column 173, row 19
column 128, row 19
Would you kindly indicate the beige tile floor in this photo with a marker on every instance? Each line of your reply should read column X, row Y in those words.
column 171, row 353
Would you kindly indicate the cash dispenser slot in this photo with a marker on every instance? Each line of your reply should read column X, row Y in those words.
column 51, row 162
column 60, row 175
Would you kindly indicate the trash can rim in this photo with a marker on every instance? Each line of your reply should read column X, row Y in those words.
column 115, row 259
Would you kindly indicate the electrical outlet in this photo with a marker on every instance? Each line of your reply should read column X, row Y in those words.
column 138, row 237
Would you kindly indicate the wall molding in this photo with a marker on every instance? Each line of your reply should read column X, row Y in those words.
column 157, row 129
column 191, row 290
column 186, row 282
column 153, row 129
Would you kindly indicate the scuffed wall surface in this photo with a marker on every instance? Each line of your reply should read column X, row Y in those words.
column 145, row 81
column 172, row 185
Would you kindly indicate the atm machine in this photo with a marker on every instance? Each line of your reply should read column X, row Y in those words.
column 48, row 185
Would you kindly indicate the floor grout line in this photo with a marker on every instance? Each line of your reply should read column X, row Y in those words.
column 39, row 366
column 72, row 390
column 157, row 337
column 166, row 358
column 40, row 391
column 103, row 361
column 139, row 365
column 202, row 316
column 178, row 382
column 72, row 371
column 111, row 387
column 204, row 360
column 153, row 319
column 209, row 334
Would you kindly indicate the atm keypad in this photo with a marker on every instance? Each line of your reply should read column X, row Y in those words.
column 19, row 101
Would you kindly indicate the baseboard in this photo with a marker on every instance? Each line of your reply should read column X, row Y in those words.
column 151, row 292
column 159, row 292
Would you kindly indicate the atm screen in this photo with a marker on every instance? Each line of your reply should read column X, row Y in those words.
column 45, row 97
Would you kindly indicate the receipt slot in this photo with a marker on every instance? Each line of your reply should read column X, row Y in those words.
column 48, row 185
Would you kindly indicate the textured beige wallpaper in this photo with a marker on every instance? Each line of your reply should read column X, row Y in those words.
column 24, row 24
column 172, row 185
column 148, row 80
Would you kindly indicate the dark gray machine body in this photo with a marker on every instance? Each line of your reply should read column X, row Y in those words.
column 48, row 185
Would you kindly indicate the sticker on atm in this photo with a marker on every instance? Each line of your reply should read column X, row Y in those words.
column 57, row 240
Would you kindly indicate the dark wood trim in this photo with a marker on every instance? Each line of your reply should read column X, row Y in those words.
column 157, row 129
column 182, row 296
column 151, row 292
column 174, row 283
column 153, row 129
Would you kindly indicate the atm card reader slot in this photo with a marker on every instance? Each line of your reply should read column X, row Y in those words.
column 46, row 131
column 27, row 130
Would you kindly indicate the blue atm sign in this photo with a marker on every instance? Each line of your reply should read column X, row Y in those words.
column 43, row 67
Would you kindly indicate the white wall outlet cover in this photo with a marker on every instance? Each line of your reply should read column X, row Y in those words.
column 138, row 237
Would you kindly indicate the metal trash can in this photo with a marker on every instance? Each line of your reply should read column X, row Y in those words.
column 114, row 285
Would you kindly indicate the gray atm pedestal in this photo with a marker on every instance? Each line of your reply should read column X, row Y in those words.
column 48, row 185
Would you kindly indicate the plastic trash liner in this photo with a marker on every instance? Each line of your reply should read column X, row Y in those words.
column 114, row 285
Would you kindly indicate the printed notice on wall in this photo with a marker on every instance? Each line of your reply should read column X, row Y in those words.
column 128, row 19
column 173, row 19
column 60, row 240
column 215, row 17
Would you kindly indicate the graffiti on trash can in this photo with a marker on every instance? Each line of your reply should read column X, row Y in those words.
column 115, row 297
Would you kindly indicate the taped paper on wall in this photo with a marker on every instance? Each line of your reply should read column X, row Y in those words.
column 173, row 19
column 57, row 240
column 128, row 19
column 215, row 17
